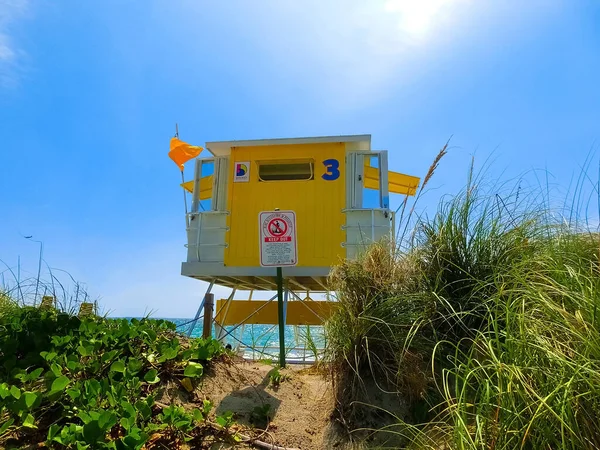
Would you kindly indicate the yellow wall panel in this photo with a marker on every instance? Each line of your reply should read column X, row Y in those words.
column 318, row 203
column 265, row 312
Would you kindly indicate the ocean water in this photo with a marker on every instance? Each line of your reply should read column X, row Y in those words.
column 302, row 343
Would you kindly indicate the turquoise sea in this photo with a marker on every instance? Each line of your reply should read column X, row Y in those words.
column 302, row 343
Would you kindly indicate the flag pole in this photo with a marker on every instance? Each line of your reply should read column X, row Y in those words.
column 187, row 219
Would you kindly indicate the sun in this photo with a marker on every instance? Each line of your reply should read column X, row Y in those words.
column 417, row 17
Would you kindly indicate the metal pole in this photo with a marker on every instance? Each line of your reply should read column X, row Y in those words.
column 187, row 219
column 221, row 330
column 209, row 302
column 196, row 191
column 281, row 317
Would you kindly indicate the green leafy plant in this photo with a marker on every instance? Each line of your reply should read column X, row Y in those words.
column 261, row 415
column 90, row 382
column 276, row 377
column 225, row 420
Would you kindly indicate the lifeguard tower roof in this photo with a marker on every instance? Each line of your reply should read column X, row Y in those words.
column 223, row 148
column 320, row 179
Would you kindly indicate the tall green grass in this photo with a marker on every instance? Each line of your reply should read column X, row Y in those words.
column 26, row 289
column 485, row 327
column 373, row 334
column 530, row 378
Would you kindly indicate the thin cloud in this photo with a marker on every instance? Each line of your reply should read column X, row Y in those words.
column 11, row 11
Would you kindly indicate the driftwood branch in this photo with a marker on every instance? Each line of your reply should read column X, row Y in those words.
column 261, row 444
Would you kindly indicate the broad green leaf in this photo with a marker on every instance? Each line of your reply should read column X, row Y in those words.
column 151, row 334
column 193, row 370
column 111, row 399
column 151, row 376
column 198, row 416
column 144, row 409
column 118, row 366
column 29, row 421
column 85, row 417
column 91, row 327
column 187, row 354
column 169, row 351
column 125, row 423
column 183, row 423
column 225, row 419
column 48, row 356
column 221, row 420
column 207, row 406
column 30, row 398
column 35, row 374
column 109, row 355
column 59, row 384
column 73, row 366
column 4, row 390
column 56, row 370
column 73, row 393
column 15, row 392
column 128, row 409
column 6, row 425
column 93, row 386
column 107, row 420
column 134, row 440
column 92, row 432
column 202, row 353
column 52, row 431
column 21, row 376
column 134, row 365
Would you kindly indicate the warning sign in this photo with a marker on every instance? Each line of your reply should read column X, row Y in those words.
column 278, row 246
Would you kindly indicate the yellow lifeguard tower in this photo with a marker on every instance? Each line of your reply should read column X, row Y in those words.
column 337, row 187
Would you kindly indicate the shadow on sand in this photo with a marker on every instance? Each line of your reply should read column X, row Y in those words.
column 252, row 405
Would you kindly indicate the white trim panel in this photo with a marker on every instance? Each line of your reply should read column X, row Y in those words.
column 223, row 148
column 193, row 269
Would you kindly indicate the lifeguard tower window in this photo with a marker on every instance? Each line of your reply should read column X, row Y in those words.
column 207, row 172
column 290, row 170
column 371, row 196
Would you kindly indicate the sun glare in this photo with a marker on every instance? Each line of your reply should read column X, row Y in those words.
column 417, row 17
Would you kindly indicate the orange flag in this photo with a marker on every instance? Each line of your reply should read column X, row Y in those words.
column 182, row 152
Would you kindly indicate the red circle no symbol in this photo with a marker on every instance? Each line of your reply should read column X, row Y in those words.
column 277, row 227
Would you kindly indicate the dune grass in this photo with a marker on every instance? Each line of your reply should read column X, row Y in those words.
column 18, row 287
column 530, row 378
column 7, row 304
column 485, row 326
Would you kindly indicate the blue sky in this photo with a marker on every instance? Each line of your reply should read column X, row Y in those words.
column 90, row 92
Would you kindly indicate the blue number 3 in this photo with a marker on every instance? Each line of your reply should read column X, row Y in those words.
column 333, row 169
